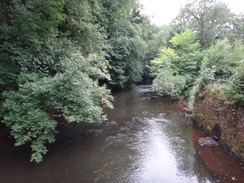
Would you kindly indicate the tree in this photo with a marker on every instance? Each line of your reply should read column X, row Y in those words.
column 156, row 38
column 238, row 26
column 81, row 27
column 166, row 83
column 120, row 23
column 210, row 19
column 177, row 65
column 184, row 55
column 236, row 90
column 47, row 75
column 54, row 58
column 224, row 56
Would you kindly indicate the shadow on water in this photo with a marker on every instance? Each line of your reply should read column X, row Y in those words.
column 144, row 140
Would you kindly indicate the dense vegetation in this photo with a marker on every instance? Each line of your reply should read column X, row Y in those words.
column 59, row 59
column 207, row 44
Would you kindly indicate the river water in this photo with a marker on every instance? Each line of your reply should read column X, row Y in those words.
column 144, row 140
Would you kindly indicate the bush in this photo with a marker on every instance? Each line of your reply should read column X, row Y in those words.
column 167, row 84
column 236, row 84
column 217, row 88
column 205, row 76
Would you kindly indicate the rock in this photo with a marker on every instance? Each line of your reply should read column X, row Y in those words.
column 207, row 141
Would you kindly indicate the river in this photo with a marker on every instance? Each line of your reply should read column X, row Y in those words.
column 144, row 140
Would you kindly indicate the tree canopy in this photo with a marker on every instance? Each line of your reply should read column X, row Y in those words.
column 178, row 63
column 209, row 18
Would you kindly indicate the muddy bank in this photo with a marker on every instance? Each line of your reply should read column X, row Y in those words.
column 218, row 160
column 211, row 110
column 226, row 168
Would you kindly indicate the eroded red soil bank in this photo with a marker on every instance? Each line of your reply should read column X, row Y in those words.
column 225, row 167
column 226, row 161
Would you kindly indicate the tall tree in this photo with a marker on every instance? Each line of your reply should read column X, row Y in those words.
column 238, row 26
column 209, row 18
column 119, row 21
column 224, row 55
column 184, row 55
column 81, row 27
column 175, row 67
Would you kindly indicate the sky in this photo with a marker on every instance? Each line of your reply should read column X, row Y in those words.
column 161, row 12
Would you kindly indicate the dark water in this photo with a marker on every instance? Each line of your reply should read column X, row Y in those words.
column 144, row 141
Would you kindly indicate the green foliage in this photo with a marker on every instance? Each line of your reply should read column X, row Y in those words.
column 28, row 111
column 191, row 97
column 22, row 40
column 46, row 68
column 120, row 22
column 210, row 19
column 185, row 41
column 156, row 38
column 224, row 55
column 206, row 75
column 178, row 64
column 217, row 88
column 238, row 26
column 164, row 60
column 236, row 84
column 221, row 59
column 189, row 54
column 80, row 25
column 8, row 74
column 28, row 122
column 209, row 128
column 125, row 61
column 168, row 84
column 184, row 56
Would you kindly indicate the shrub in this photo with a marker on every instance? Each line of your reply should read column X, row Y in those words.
column 168, row 84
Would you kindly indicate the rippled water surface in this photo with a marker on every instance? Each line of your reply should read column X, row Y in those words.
column 144, row 140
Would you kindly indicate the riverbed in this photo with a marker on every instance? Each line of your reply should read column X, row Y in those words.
column 145, row 140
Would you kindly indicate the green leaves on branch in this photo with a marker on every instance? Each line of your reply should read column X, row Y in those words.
column 236, row 85
column 211, row 20
column 185, row 41
column 29, row 110
column 175, row 68
column 224, row 56
column 28, row 122
column 45, row 70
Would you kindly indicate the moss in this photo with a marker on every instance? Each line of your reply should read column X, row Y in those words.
column 209, row 128
column 229, row 144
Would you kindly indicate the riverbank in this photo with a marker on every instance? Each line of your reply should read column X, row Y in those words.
column 222, row 160
column 226, row 168
column 213, row 110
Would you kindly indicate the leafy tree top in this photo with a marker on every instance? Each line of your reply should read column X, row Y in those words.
column 209, row 18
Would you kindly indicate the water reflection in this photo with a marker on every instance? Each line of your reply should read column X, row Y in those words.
column 162, row 141
column 144, row 140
